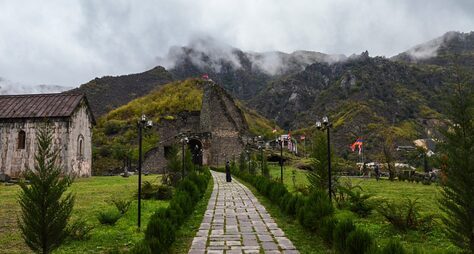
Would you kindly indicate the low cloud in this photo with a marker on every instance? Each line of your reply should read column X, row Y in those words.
column 71, row 42
column 430, row 48
column 9, row 87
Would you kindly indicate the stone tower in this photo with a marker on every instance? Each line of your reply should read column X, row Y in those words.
column 221, row 117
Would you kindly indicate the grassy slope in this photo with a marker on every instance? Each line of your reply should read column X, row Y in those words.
column 173, row 98
column 258, row 125
column 91, row 196
column 427, row 195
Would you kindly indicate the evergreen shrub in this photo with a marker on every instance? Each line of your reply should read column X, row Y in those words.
column 316, row 207
column 393, row 247
column 160, row 231
column 109, row 217
column 164, row 192
column 341, row 231
column 359, row 242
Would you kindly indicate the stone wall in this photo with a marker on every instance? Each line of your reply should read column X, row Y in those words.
column 66, row 133
column 225, row 121
column 80, row 128
column 168, row 129
column 14, row 161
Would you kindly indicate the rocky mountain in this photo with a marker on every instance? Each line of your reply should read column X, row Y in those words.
column 243, row 74
column 373, row 96
column 107, row 93
column 363, row 95
column 452, row 46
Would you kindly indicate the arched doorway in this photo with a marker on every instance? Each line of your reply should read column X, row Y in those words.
column 195, row 146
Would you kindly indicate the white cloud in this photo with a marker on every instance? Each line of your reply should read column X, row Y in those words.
column 70, row 42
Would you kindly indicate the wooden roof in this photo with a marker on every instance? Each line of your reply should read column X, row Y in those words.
column 38, row 105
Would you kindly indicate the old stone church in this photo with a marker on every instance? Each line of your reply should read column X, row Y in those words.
column 216, row 133
column 70, row 118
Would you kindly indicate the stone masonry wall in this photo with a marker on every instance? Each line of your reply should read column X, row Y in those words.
column 225, row 121
column 154, row 160
column 14, row 161
column 80, row 128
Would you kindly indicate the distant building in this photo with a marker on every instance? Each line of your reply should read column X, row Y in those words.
column 70, row 118
column 215, row 134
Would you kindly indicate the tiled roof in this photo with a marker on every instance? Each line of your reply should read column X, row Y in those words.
column 38, row 105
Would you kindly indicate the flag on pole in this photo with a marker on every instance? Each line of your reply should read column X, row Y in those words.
column 205, row 76
column 302, row 137
column 358, row 143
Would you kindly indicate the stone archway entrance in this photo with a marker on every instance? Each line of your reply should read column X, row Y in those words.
column 195, row 146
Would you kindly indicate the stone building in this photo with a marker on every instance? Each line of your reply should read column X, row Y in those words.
column 71, row 121
column 216, row 133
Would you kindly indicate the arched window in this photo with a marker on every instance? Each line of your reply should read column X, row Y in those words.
column 21, row 139
column 80, row 146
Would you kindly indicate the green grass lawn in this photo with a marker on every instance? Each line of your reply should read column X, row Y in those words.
column 92, row 195
column 433, row 241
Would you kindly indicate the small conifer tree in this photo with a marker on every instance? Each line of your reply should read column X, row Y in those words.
column 458, row 166
column 45, row 207
column 318, row 176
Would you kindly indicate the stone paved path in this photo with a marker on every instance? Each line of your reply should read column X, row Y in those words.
column 236, row 222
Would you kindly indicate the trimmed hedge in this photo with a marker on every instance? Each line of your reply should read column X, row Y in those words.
column 160, row 231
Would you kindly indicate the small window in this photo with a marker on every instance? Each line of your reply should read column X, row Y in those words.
column 81, row 152
column 21, row 139
column 80, row 146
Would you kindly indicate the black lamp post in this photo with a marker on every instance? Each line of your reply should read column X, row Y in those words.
column 184, row 141
column 280, row 142
column 326, row 126
column 143, row 123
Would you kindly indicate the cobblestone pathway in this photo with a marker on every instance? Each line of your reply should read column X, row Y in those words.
column 236, row 222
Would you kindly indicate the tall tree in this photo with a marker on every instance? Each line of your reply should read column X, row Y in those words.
column 458, row 166
column 318, row 176
column 45, row 207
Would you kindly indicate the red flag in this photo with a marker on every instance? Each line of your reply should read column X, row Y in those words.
column 358, row 143
column 205, row 76
column 302, row 137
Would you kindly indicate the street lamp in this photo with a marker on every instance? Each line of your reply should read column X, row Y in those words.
column 280, row 142
column 326, row 125
column 184, row 141
column 143, row 123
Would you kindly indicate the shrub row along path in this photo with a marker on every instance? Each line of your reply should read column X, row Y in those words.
column 236, row 222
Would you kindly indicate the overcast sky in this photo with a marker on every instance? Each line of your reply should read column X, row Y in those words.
column 71, row 42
